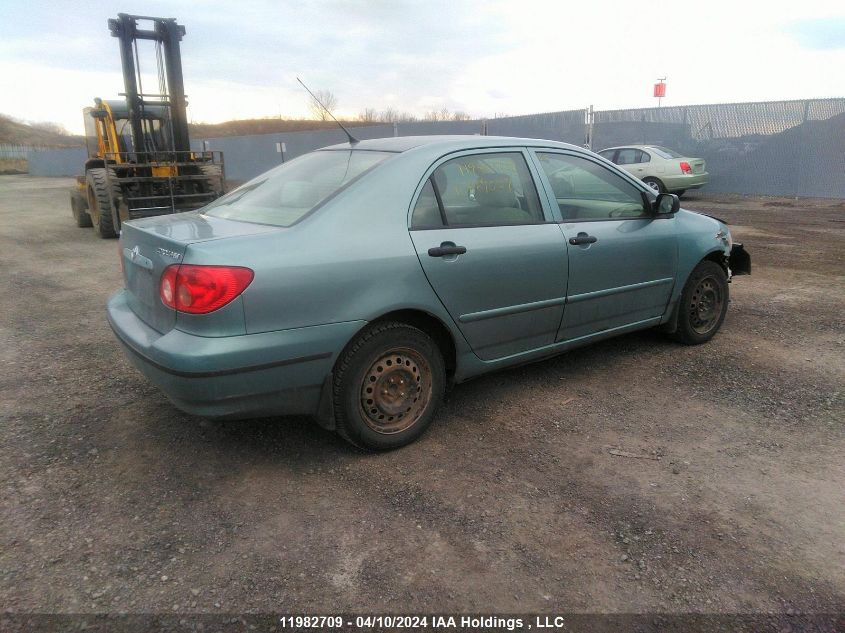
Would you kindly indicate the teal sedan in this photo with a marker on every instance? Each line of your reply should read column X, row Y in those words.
column 355, row 283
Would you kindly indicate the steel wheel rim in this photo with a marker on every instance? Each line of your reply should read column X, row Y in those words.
column 395, row 391
column 705, row 306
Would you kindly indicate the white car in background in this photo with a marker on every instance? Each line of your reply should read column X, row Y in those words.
column 660, row 168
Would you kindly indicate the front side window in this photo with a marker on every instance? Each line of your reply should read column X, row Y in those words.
column 608, row 154
column 585, row 190
column 487, row 190
column 285, row 194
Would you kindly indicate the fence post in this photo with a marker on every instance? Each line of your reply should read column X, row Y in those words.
column 395, row 128
column 588, row 127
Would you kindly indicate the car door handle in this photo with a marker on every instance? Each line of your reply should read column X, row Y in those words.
column 583, row 238
column 446, row 249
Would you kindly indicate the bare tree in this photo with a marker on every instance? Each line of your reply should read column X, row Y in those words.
column 389, row 114
column 460, row 115
column 368, row 115
column 329, row 101
column 50, row 126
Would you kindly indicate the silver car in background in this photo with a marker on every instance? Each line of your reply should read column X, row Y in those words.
column 662, row 169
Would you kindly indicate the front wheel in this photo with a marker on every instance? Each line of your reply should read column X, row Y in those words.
column 387, row 386
column 704, row 304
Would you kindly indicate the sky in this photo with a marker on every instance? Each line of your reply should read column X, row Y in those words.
column 484, row 57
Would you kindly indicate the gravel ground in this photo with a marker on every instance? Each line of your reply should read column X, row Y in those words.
column 728, row 497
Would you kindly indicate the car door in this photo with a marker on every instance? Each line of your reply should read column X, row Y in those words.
column 492, row 251
column 622, row 257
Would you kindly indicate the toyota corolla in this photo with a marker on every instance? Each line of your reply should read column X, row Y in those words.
column 356, row 283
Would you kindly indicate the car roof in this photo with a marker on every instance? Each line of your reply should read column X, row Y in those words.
column 626, row 147
column 446, row 143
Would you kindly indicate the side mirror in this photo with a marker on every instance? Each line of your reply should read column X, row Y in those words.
column 666, row 204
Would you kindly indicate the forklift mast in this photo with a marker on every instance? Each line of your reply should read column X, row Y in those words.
column 167, row 34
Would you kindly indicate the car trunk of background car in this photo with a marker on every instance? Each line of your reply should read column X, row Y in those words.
column 698, row 165
column 147, row 249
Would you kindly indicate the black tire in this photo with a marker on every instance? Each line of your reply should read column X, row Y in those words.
column 656, row 184
column 680, row 193
column 79, row 208
column 100, row 203
column 388, row 384
column 703, row 304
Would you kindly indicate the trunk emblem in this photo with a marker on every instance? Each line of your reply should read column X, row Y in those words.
column 166, row 253
column 134, row 256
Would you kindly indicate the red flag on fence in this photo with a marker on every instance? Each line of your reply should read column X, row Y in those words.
column 660, row 89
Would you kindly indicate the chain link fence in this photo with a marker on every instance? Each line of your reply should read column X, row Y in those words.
column 774, row 148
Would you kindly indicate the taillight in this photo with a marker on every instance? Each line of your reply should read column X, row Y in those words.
column 685, row 167
column 202, row 289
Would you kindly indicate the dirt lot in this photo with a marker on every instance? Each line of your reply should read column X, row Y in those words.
column 113, row 500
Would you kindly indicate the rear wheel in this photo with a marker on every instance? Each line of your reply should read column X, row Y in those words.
column 79, row 208
column 704, row 304
column 100, row 203
column 387, row 386
column 680, row 193
column 656, row 184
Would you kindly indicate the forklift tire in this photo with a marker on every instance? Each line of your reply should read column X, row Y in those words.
column 99, row 203
column 79, row 208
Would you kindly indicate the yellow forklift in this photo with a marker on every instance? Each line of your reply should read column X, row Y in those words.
column 140, row 162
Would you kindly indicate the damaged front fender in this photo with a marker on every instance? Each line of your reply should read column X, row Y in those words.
column 739, row 261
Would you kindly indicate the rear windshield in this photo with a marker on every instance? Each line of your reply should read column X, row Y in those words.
column 666, row 153
column 285, row 194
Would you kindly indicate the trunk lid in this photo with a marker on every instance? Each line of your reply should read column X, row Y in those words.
column 150, row 245
column 698, row 165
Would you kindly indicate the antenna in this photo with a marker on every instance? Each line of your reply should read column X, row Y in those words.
column 352, row 139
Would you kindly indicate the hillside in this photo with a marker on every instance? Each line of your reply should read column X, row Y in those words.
column 18, row 133
column 247, row 127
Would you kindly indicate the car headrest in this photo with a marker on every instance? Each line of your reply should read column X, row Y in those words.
column 495, row 190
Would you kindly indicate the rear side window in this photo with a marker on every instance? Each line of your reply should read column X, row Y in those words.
column 427, row 211
column 285, row 194
column 664, row 152
column 484, row 190
column 585, row 190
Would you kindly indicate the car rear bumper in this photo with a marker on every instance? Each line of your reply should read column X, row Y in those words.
column 251, row 375
column 686, row 181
